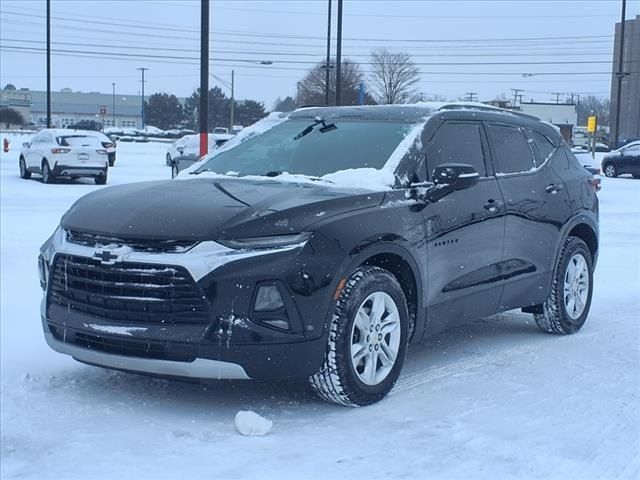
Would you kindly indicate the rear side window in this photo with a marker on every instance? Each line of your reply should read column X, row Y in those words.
column 512, row 151
column 544, row 148
column 456, row 143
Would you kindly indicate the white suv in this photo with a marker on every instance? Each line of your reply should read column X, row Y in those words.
column 71, row 154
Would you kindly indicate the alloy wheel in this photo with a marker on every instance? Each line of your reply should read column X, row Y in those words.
column 375, row 338
column 576, row 286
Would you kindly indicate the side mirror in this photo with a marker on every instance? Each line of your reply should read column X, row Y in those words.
column 455, row 176
column 26, row 145
column 180, row 149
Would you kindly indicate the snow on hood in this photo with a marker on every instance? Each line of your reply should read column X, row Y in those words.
column 360, row 178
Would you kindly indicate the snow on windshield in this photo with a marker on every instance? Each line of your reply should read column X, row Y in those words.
column 363, row 178
column 78, row 141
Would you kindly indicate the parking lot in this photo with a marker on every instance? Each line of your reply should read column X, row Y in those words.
column 491, row 399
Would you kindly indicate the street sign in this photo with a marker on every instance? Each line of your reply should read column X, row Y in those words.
column 103, row 109
column 591, row 124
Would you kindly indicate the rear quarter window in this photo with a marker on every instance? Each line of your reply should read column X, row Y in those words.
column 511, row 149
column 543, row 148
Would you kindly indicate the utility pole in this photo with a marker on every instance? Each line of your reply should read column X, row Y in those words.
column 620, row 75
column 339, row 55
column 48, row 63
column 142, row 70
column 557, row 94
column 327, row 77
column 233, row 102
column 204, row 77
column 470, row 96
column 113, row 103
column 515, row 91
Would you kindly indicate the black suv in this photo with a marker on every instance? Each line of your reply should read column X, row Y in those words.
column 319, row 244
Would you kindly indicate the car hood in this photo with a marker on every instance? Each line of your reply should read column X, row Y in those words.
column 210, row 209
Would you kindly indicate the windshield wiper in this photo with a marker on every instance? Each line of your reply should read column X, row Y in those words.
column 277, row 173
column 318, row 121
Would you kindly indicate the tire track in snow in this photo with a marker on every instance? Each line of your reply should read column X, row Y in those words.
column 464, row 364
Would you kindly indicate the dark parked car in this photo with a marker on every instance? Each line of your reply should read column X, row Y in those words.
column 625, row 160
column 337, row 236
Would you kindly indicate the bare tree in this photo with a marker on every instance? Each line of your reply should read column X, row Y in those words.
column 394, row 76
column 312, row 87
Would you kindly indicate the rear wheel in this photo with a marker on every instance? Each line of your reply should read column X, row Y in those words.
column 112, row 159
column 24, row 173
column 567, row 307
column 168, row 159
column 367, row 340
column 610, row 170
column 174, row 170
column 47, row 177
column 101, row 179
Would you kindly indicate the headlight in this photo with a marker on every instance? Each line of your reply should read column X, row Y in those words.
column 43, row 271
column 46, row 255
column 272, row 241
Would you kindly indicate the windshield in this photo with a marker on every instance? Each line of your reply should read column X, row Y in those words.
column 352, row 144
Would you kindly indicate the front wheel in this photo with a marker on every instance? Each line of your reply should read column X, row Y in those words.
column 24, row 173
column 567, row 307
column 367, row 340
column 610, row 170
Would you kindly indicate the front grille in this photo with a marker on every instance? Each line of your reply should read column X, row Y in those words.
column 127, row 292
column 145, row 245
column 121, row 346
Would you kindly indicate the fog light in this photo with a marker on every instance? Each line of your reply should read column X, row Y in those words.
column 268, row 299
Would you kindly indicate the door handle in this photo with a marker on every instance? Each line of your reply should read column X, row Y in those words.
column 554, row 188
column 492, row 205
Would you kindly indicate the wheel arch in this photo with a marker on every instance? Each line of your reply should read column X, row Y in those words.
column 401, row 264
column 585, row 233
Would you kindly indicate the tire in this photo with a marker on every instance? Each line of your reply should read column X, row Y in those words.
column 101, row 179
column 174, row 170
column 47, row 177
column 24, row 173
column 610, row 170
column 112, row 159
column 562, row 312
column 168, row 159
column 349, row 381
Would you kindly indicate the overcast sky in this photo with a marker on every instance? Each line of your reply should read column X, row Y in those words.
column 99, row 42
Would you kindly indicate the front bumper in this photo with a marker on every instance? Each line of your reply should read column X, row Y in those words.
column 230, row 343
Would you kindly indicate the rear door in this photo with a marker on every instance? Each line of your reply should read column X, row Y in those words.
column 630, row 160
column 465, row 231
column 537, row 206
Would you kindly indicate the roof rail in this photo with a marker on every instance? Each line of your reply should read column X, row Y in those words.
column 485, row 108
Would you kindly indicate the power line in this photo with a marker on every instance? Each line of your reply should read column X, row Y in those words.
column 299, row 54
column 305, row 62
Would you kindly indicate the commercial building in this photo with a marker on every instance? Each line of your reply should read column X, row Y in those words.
column 562, row 115
column 630, row 92
column 69, row 107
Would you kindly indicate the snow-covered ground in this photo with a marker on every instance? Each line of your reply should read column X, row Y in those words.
column 494, row 399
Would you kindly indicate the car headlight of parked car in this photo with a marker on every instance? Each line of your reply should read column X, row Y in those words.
column 271, row 241
column 46, row 256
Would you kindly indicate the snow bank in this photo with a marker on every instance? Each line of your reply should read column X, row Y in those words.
column 251, row 424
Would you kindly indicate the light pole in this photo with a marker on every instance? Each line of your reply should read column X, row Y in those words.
column 327, row 76
column 142, row 70
column 204, row 77
column 619, row 76
column 232, row 102
column 339, row 55
column 48, row 63
column 113, row 103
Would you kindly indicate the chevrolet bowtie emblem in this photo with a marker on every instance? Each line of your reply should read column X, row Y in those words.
column 110, row 254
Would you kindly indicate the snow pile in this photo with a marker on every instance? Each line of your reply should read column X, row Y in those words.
column 251, row 424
